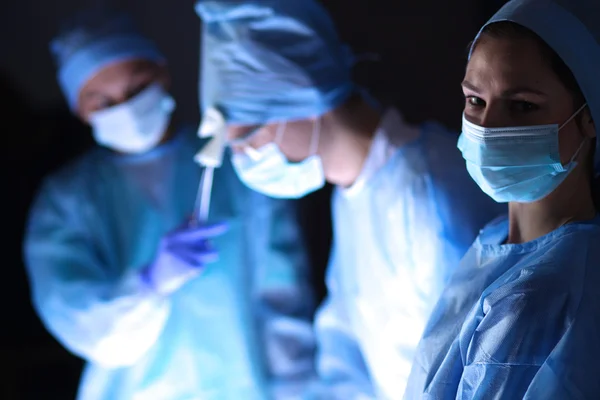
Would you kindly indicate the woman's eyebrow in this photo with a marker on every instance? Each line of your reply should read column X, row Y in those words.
column 469, row 85
column 509, row 92
column 521, row 90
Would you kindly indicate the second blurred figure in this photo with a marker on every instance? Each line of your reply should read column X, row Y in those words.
column 405, row 210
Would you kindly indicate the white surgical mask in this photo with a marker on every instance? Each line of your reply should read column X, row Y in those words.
column 268, row 171
column 137, row 125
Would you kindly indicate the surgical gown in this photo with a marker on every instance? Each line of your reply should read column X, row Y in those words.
column 399, row 232
column 517, row 321
column 241, row 330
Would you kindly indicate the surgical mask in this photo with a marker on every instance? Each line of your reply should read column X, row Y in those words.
column 267, row 170
column 137, row 125
column 515, row 164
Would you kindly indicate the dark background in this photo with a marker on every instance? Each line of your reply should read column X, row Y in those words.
column 422, row 49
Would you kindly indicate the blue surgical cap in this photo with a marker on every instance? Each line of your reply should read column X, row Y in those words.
column 92, row 40
column 271, row 60
column 572, row 29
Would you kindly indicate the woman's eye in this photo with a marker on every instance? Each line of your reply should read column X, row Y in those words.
column 524, row 106
column 475, row 101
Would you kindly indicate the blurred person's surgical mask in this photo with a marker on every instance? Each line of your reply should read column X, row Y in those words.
column 136, row 125
column 268, row 171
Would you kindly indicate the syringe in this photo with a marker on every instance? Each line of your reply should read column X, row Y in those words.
column 202, row 204
column 209, row 157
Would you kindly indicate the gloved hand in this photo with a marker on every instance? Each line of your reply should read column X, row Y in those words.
column 182, row 255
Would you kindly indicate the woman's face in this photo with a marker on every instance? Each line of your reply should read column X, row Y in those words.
column 510, row 83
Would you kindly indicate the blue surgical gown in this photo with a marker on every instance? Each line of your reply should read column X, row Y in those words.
column 517, row 321
column 399, row 232
column 241, row 330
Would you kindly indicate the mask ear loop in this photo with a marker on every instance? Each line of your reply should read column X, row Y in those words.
column 280, row 131
column 316, row 133
column 578, row 151
column 573, row 116
column 576, row 155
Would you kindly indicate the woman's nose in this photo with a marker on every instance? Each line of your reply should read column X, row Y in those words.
column 492, row 117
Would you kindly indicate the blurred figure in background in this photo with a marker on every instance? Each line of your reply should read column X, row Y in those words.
column 405, row 209
column 160, row 305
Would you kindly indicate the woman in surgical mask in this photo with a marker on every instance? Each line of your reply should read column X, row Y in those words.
column 520, row 317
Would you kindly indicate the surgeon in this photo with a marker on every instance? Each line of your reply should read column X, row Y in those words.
column 160, row 304
column 405, row 209
column 521, row 317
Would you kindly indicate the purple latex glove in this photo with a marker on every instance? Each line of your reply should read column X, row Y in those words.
column 182, row 255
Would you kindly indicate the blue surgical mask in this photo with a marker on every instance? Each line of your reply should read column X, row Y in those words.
column 515, row 164
column 137, row 125
column 268, row 171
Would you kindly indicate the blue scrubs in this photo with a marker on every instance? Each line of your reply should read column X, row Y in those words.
column 517, row 321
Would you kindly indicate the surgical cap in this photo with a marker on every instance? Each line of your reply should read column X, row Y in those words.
column 92, row 40
column 271, row 60
column 572, row 29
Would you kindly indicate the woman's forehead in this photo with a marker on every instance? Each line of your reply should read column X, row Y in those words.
column 500, row 60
